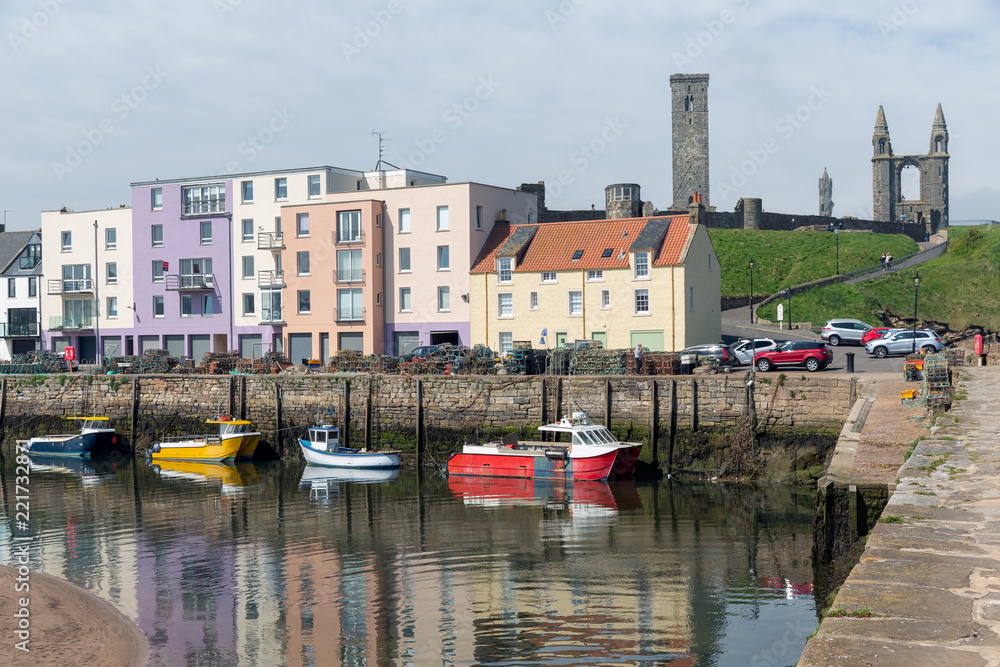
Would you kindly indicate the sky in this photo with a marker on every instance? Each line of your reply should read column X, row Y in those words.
column 103, row 93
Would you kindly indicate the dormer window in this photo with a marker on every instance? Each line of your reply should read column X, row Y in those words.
column 577, row 255
column 641, row 265
column 505, row 268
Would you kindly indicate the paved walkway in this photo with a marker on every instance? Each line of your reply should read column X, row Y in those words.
column 927, row 589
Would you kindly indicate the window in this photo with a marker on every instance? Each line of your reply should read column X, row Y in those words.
column 349, row 306
column 378, row 298
column 378, row 219
column 302, row 224
column 444, row 263
column 110, row 238
column 605, row 299
column 76, row 277
column 303, row 302
column 157, row 270
column 506, row 342
column 691, row 299
column 404, row 299
column 157, row 236
column 404, row 221
column 505, row 270
column 404, row 260
column 349, row 266
column 11, row 288
column 479, row 217
column 575, row 302
column 32, row 286
column 207, row 303
column 641, row 265
column 186, row 305
column 281, row 188
column 348, row 226
column 67, row 241
column 595, row 275
column 314, row 186
column 444, row 299
column 442, row 218
column 206, row 232
column 378, row 259
column 247, row 229
column 112, row 309
column 248, row 271
column 505, row 305
column 577, row 255
column 248, row 303
column 607, row 253
column 32, row 256
column 302, row 263
column 77, row 313
column 642, row 302
column 548, row 276
column 196, row 272
column 158, row 306
column 246, row 191
column 157, row 198
column 111, row 273
column 203, row 199
column 270, row 306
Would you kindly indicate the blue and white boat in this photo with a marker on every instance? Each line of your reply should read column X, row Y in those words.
column 323, row 449
column 95, row 436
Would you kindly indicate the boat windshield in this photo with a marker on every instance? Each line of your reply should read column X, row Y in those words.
column 604, row 435
column 234, row 428
column 318, row 435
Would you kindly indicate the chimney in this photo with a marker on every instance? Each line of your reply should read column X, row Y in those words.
column 696, row 210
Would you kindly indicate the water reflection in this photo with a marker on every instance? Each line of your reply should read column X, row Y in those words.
column 304, row 567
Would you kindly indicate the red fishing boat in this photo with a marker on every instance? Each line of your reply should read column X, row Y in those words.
column 592, row 454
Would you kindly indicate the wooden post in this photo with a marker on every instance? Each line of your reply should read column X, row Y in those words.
column 607, row 404
column 3, row 408
column 420, row 423
column 672, row 426
column 368, row 414
column 345, row 422
column 279, row 440
column 243, row 397
column 559, row 397
column 135, row 414
column 545, row 405
column 232, row 395
column 654, row 421
column 694, row 405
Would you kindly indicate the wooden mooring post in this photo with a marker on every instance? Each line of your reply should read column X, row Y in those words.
column 694, row 406
column 3, row 409
column 135, row 414
column 607, row 404
column 243, row 397
column 368, row 414
column 672, row 425
column 420, row 424
column 654, row 422
column 345, row 420
column 278, row 434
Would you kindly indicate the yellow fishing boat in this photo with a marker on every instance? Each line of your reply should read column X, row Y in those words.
column 234, row 440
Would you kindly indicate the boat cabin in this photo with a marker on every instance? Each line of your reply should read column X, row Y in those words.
column 231, row 426
column 325, row 437
column 92, row 423
column 584, row 431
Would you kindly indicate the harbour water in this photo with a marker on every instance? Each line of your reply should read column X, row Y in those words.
column 280, row 564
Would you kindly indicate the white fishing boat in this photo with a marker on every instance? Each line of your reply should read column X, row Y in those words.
column 323, row 448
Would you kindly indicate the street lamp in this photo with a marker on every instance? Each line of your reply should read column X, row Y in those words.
column 916, row 289
column 751, row 290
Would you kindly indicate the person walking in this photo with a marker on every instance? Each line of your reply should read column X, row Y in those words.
column 638, row 358
column 881, row 262
column 888, row 261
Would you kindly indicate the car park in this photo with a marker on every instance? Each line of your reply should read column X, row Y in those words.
column 876, row 332
column 721, row 351
column 812, row 354
column 745, row 348
column 844, row 330
column 905, row 341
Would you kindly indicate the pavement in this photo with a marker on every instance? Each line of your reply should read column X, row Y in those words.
column 927, row 588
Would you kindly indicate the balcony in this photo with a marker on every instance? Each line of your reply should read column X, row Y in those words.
column 204, row 206
column 59, row 323
column 190, row 283
column 271, row 315
column 349, row 276
column 270, row 241
column 350, row 314
column 349, row 237
column 75, row 286
column 19, row 330
column 270, row 279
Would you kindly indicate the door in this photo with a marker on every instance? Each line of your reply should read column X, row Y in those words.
column 324, row 348
column 175, row 345
column 651, row 340
column 601, row 336
column 148, row 343
column 112, row 346
column 201, row 344
column 87, row 349
column 404, row 342
column 300, row 345
column 561, row 339
column 251, row 346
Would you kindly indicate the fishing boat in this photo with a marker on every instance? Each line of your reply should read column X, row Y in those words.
column 234, row 440
column 323, row 448
column 95, row 436
column 592, row 454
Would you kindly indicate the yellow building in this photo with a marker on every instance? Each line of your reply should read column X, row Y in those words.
column 654, row 281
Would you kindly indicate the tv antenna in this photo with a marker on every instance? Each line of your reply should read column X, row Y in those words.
column 378, row 166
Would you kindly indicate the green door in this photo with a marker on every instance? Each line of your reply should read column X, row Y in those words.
column 601, row 336
column 560, row 339
column 651, row 340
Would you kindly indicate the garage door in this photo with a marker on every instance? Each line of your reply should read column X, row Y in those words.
column 405, row 341
column 251, row 346
column 201, row 344
column 651, row 340
column 301, row 347
column 148, row 343
column 175, row 345
column 352, row 341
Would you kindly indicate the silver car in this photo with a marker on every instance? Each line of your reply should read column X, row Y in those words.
column 745, row 349
column 904, row 342
column 844, row 329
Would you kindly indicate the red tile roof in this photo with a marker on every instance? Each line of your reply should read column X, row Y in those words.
column 555, row 243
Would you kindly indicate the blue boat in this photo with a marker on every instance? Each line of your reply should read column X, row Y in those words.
column 95, row 436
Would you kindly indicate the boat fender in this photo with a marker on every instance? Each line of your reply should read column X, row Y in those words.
column 156, row 448
column 114, row 440
column 556, row 454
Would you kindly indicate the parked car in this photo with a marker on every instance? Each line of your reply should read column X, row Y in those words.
column 421, row 352
column 904, row 342
column 813, row 354
column 835, row 331
column 876, row 332
column 745, row 349
column 724, row 353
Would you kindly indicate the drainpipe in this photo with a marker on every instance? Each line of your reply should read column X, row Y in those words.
column 583, row 304
column 232, row 342
column 97, row 304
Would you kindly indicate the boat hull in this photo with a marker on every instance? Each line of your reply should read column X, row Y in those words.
column 248, row 446
column 625, row 461
column 346, row 458
column 80, row 445
column 535, row 464
column 201, row 449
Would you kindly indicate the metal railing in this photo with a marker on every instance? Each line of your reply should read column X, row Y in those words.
column 196, row 281
column 270, row 278
column 204, row 206
column 360, row 238
column 350, row 314
column 59, row 323
column 349, row 276
column 74, row 286
column 270, row 241
column 19, row 329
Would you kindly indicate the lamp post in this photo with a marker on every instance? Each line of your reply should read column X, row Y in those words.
column 916, row 289
column 751, row 290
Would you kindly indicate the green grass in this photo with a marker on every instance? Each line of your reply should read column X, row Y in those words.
column 891, row 519
column 782, row 259
column 971, row 262
column 863, row 612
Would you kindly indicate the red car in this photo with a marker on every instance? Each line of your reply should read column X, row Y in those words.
column 813, row 354
column 877, row 332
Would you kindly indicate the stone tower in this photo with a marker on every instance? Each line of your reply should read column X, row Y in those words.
column 826, row 195
column 622, row 200
column 689, row 116
column 932, row 207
